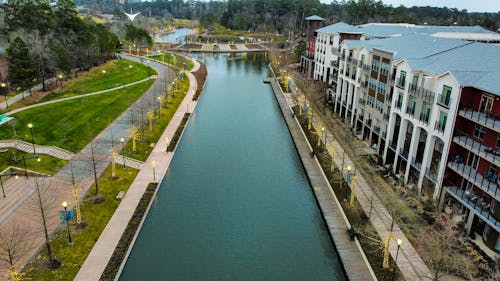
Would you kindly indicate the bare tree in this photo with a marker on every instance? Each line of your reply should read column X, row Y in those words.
column 15, row 243
column 44, row 203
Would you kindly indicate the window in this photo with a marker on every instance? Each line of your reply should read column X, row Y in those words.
column 410, row 109
column 472, row 160
column 402, row 79
column 479, row 131
column 426, row 112
column 444, row 99
column 399, row 102
column 486, row 104
column 441, row 123
column 414, row 82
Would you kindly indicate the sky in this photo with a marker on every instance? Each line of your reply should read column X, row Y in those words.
column 470, row 5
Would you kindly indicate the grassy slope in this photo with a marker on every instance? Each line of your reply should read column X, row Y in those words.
column 47, row 165
column 85, row 118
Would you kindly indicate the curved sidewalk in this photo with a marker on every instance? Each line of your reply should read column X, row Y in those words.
column 103, row 249
column 79, row 96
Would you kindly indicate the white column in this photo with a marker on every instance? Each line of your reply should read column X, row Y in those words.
column 415, row 136
column 470, row 219
column 354, row 103
column 442, row 167
column 426, row 160
column 401, row 142
column 390, row 134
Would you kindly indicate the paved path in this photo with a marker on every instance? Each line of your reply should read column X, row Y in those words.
column 57, row 188
column 19, row 96
column 97, row 260
column 53, row 151
column 409, row 262
column 353, row 258
column 79, row 96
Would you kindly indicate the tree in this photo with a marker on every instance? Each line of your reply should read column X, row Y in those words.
column 15, row 243
column 21, row 64
column 300, row 49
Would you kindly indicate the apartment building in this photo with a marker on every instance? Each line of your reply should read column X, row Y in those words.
column 428, row 106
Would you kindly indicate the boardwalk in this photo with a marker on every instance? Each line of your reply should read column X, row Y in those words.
column 97, row 260
column 355, row 263
column 409, row 262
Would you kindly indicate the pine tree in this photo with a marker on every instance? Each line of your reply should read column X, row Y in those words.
column 21, row 64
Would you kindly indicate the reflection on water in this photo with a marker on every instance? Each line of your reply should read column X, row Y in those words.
column 177, row 36
column 236, row 204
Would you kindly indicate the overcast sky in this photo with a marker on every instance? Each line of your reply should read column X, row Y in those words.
column 470, row 5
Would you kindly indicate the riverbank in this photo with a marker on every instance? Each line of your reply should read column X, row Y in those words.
column 352, row 256
column 157, row 163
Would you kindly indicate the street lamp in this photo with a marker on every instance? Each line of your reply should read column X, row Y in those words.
column 4, row 91
column 66, row 219
column 30, row 125
column 166, row 142
column 122, row 140
column 130, row 73
column 399, row 242
column 105, row 82
column 60, row 81
column 153, row 163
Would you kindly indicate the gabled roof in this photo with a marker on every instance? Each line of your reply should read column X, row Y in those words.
column 314, row 17
column 339, row 27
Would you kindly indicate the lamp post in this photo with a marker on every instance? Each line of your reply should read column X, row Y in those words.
column 399, row 242
column 66, row 219
column 153, row 163
column 122, row 140
column 60, row 81
column 166, row 141
column 130, row 73
column 105, row 82
column 30, row 125
column 4, row 91
column 1, row 182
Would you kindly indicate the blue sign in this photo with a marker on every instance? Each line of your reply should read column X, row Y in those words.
column 63, row 216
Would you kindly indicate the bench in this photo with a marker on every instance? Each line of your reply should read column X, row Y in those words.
column 120, row 195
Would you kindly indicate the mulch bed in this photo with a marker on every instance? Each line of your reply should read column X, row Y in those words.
column 201, row 77
column 178, row 132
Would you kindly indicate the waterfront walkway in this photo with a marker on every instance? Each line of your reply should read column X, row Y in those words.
column 409, row 261
column 102, row 251
column 353, row 258
column 24, row 211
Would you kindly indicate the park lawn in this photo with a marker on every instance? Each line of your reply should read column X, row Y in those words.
column 47, row 165
column 82, row 119
column 180, row 61
column 118, row 72
column 143, row 148
column 96, row 215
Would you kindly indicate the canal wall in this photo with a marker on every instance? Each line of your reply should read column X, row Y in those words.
column 354, row 261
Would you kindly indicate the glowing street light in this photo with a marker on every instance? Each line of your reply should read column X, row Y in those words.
column 153, row 164
column 30, row 126
column 122, row 140
column 399, row 242
column 105, row 80
column 66, row 219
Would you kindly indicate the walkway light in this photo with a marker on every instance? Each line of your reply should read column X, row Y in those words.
column 66, row 219
column 30, row 125
column 399, row 242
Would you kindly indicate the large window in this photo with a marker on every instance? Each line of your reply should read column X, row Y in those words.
column 426, row 112
column 444, row 99
column 441, row 123
column 402, row 79
column 479, row 131
column 486, row 104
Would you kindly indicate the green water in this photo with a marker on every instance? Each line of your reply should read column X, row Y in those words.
column 236, row 203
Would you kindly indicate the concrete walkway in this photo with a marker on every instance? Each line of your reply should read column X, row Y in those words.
column 97, row 260
column 57, row 188
column 20, row 96
column 79, row 96
column 53, row 151
column 409, row 261
column 353, row 258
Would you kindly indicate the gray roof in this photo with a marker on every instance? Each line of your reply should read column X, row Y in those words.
column 339, row 27
column 314, row 17
column 472, row 64
column 390, row 30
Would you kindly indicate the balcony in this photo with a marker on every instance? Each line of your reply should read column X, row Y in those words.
column 444, row 100
column 422, row 93
column 410, row 110
column 416, row 164
column 399, row 103
column 431, row 174
column 489, row 120
column 366, row 69
column 474, row 203
column 392, row 80
column 470, row 174
column 479, row 149
column 440, row 127
column 424, row 118
column 393, row 145
column 404, row 153
column 401, row 84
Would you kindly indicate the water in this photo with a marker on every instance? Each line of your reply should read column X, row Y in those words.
column 236, row 203
column 177, row 36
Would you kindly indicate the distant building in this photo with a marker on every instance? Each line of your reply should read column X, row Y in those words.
column 307, row 61
column 427, row 104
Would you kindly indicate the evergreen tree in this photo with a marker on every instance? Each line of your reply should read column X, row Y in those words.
column 21, row 64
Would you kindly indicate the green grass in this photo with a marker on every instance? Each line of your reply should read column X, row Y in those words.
column 47, row 165
column 142, row 146
column 180, row 61
column 118, row 72
column 82, row 119
column 96, row 215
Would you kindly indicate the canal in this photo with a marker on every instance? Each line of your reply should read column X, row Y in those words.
column 236, row 203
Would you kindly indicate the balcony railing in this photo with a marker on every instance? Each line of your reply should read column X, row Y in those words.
column 410, row 110
column 440, row 127
column 424, row 117
column 444, row 100
column 399, row 103
column 470, row 174
column 489, row 120
column 393, row 145
column 404, row 153
column 335, row 63
column 473, row 202
column 488, row 153
column 401, row 84
column 431, row 174
column 392, row 80
column 422, row 93
column 366, row 68
column 417, row 165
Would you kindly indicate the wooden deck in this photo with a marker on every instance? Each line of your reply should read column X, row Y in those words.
column 352, row 256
